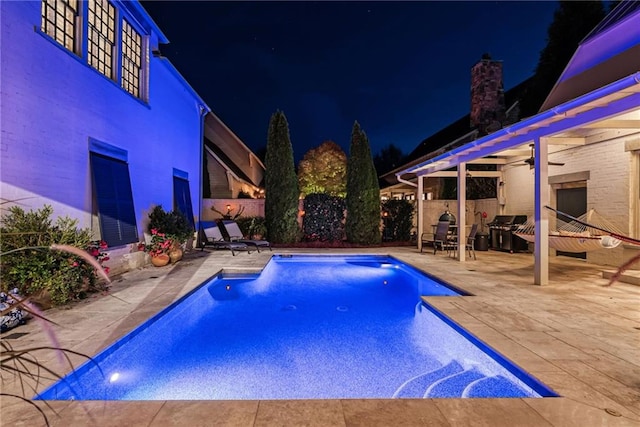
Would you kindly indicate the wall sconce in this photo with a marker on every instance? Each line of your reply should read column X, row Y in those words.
column 228, row 209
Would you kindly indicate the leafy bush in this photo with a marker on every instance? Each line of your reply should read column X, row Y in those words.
column 252, row 226
column 323, row 218
column 398, row 220
column 174, row 224
column 27, row 263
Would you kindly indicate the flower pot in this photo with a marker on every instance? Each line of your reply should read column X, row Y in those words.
column 175, row 254
column 160, row 260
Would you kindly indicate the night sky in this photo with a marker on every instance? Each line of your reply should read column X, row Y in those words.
column 401, row 69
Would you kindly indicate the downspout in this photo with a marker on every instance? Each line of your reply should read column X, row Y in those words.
column 203, row 113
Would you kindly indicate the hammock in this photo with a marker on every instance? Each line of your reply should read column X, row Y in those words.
column 588, row 232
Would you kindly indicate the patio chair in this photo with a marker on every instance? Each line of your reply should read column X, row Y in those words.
column 232, row 233
column 213, row 237
column 469, row 244
column 440, row 239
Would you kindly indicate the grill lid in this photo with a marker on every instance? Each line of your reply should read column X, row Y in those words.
column 502, row 220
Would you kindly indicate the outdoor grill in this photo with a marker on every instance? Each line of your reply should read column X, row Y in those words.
column 501, row 231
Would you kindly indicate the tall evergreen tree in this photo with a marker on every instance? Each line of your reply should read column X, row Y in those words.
column 572, row 21
column 363, row 192
column 281, row 183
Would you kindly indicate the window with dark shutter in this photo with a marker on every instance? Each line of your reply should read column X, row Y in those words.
column 112, row 187
column 182, row 198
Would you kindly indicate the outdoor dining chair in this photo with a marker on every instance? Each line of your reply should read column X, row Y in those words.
column 469, row 244
column 440, row 238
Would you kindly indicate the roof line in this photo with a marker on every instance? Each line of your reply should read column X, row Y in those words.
column 517, row 128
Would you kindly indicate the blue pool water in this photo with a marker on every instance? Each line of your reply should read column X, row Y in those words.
column 307, row 327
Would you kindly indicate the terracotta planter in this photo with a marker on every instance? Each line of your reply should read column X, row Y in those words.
column 175, row 255
column 160, row 260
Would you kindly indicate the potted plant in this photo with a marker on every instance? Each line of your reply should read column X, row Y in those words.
column 158, row 249
column 175, row 226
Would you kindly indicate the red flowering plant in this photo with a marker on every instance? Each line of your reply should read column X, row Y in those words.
column 160, row 243
column 97, row 249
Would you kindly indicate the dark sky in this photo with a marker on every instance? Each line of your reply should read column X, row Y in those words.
column 401, row 69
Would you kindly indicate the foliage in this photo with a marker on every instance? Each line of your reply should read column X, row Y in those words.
column 323, row 218
column 363, row 192
column 398, row 221
column 252, row 226
column 174, row 224
column 572, row 21
column 387, row 159
column 281, row 183
column 160, row 244
column 28, row 265
column 323, row 170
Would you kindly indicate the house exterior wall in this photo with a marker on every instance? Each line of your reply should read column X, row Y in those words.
column 610, row 171
column 54, row 103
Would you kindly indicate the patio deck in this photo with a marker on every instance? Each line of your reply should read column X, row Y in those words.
column 576, row 336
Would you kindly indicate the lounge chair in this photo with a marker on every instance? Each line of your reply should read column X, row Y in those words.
column 213, row 237
column 234, row 234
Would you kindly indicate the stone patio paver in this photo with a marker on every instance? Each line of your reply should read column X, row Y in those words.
column 575, row 335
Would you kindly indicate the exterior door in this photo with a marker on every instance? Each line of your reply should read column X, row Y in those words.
column 572, row 201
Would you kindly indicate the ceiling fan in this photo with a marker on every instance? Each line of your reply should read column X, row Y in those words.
column 531, row 160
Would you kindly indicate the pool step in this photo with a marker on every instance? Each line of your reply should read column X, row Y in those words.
column 453, row 385
column 416, row 386
column 492, row 387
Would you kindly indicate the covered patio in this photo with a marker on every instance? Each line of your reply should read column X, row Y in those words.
column 607, row 113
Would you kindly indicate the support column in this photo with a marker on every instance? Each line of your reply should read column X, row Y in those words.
column 419, row 216
column 462, row 211
column 541, row 214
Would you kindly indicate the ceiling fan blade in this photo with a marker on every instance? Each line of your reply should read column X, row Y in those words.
column 556, row 164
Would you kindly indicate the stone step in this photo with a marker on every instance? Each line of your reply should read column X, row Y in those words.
column 454, row 385
column 630, row 276
column 416, row 386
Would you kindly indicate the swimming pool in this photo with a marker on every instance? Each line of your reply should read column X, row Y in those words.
column 306, row 327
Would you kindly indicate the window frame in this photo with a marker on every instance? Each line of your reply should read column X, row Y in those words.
column 182, row 196
column 50, row 28
column 105, row 45
column 113, row 195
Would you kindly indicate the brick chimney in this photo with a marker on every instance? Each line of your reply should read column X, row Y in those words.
column 487, row 95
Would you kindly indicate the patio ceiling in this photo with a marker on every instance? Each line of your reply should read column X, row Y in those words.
column 613, row 110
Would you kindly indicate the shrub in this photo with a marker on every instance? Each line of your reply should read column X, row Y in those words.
column 323, row 218
column 252, row 226
column 28, row 265
column 174, row 224
column 398, row 221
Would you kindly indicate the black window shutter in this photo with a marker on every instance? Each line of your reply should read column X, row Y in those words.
column 112, row 185
column 182, row 198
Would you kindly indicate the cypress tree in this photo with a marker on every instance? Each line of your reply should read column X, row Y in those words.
column 363, row 192
column 281, row 183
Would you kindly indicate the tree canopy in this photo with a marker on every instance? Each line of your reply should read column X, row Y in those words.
column 323, row 170
column 572, row 21
column 387, row 159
